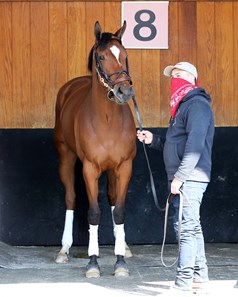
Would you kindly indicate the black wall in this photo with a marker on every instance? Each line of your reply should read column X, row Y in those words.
column 32, row 206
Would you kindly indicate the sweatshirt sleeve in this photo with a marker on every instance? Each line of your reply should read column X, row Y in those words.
column 157, row 142
column 198, row 119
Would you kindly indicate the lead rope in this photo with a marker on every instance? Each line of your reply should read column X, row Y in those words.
column 151, row 176
column 169, row 201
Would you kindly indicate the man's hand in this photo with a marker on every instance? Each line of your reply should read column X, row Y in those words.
column 145, row 136
column 175, row 186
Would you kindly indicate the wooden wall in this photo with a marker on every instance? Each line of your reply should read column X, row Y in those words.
column 44, row 44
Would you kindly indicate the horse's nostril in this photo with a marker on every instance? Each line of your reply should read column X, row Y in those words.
column 121, row 89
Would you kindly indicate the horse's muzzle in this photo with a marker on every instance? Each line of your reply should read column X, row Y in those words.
column 123, row 93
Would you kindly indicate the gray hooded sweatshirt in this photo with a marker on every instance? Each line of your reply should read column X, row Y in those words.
column 187, row 147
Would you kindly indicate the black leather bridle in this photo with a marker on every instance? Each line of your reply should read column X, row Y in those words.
column 105, row 78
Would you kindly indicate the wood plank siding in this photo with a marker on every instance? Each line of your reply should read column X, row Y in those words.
column 44, row 44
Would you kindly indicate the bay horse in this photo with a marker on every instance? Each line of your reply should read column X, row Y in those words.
column 94, row 123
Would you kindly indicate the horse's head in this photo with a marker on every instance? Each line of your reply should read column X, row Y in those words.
column 111, row 64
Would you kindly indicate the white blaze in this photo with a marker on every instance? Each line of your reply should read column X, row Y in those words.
column 116, row 52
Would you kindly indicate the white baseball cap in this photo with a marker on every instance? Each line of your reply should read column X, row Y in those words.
column 183, row 66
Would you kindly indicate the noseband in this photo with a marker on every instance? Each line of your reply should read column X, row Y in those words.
column 105, row 78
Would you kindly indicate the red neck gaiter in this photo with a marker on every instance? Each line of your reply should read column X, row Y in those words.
column 179, row 88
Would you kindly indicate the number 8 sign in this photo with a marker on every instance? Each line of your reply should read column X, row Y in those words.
column 147, row 24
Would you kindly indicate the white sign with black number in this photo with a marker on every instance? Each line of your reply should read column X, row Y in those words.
column 147, row 24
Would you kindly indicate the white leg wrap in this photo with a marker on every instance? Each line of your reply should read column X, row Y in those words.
column 93, row 248
column 113, row 222
column 67, row 238
column 120, row 240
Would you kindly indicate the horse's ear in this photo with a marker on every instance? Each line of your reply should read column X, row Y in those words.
column 97, row 31
column 121, row 31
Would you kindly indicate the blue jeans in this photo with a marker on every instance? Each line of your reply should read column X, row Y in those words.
column 192, row 260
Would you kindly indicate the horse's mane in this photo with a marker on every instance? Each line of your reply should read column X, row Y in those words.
column 101, row 43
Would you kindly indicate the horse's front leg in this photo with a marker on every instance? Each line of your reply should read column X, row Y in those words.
column 120, row 268
column 91, row 175
column 112, row 197
column 93, row 269
column 128, row 252
column 123, row 175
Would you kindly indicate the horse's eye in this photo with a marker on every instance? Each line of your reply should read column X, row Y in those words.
column 101, row 58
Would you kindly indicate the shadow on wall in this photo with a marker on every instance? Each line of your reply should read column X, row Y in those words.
column 32, row 206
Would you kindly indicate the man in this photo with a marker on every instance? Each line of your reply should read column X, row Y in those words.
column 187, row 151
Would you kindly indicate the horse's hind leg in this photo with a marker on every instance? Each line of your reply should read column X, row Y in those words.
column 66, row 171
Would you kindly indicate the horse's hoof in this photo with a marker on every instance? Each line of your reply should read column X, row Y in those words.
column 62, row 258
column 120, row 268
column 93, row 272
column 93, row 268
column 128, row 253
column 121, row 272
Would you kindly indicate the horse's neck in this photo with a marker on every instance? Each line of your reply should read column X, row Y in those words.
column 100, row 99
column 103, row 108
